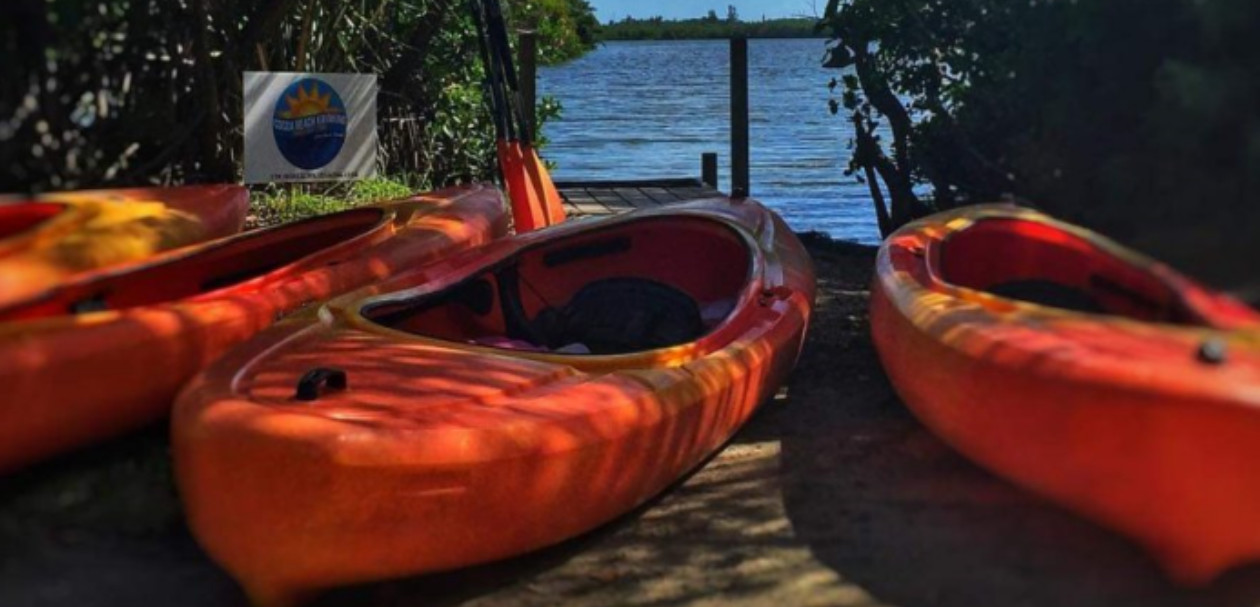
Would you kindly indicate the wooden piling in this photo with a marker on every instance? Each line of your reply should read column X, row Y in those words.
column 739, row 118
column 529, row 78
column 707, row 185
column 709, row 169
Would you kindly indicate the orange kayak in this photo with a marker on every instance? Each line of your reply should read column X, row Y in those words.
column 493, row 404
column 1083, row 371
column 108, row 351
column 47, row 240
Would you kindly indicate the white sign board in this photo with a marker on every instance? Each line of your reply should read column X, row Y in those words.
column 309, row 127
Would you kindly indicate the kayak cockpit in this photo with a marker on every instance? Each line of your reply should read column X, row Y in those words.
column 1045, row 264
column 632, row 287
column 203, row 270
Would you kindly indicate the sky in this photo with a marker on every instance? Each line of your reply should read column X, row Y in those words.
column 749, row 10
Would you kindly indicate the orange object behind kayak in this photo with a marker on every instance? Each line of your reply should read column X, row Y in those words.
column 448, row 417
column 1083, row 371
column 108, row 351
column 48, row 240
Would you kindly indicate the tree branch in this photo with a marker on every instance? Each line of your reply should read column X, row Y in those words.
column 865, row 156
column 304, row 40
column 264, row 20
column 882, row 98
column 419, row 41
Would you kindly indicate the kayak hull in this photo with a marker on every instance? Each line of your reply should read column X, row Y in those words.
column 442, row 455
column 74, row 379
column 1130, row 422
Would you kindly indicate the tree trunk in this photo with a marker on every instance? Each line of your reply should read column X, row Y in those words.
column 304, row 40
column 867, row 150
column 218, row 167
column 895, row 172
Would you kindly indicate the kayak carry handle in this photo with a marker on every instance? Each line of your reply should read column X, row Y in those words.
column 308, row 386
column 772, row 294
column 1213, row 352
column 88, row 305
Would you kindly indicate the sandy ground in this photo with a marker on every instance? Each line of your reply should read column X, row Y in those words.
column 832, row 495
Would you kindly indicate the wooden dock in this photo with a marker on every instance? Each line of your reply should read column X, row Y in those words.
column 602, row 198
column 599, row 198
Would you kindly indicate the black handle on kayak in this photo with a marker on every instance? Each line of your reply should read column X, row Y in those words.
column 308, row 387
column 1213, row 352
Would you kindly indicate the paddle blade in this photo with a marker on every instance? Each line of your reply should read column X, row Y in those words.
column 551, row 204
column 527, row 207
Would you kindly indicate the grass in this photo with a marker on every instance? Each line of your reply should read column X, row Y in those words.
column 277, row 204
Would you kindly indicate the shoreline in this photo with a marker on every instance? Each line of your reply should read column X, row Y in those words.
column 711, row 38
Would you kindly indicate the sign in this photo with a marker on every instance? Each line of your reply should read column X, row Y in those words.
column 309, row 127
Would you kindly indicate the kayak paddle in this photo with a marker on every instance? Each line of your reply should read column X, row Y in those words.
column 536, row 202
column 515, row 179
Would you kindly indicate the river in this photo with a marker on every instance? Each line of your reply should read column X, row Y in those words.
column 639, row 110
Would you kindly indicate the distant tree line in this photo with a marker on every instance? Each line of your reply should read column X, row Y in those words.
column 1140, row 118
column 710, row 26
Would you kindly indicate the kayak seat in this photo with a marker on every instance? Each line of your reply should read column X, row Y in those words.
column 622, row 315
column 626, row 288
column 1048, row 293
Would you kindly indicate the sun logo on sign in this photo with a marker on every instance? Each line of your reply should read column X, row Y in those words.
column 306, row 104
column 310, row 123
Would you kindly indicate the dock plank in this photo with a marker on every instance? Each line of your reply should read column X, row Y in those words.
column 660, row 195
column 598, row 198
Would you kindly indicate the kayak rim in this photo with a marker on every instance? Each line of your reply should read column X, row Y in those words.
column 1136, row 288
column 364, row 314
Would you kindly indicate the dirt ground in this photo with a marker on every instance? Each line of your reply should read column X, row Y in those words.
column 831, row 495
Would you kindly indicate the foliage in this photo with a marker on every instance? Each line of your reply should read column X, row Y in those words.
column 549, row 108
column 567, row 29
column 275, row 205
column 1139, row 117
column 124, row 92
column 707, row 28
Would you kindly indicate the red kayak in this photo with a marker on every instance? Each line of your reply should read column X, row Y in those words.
column 46, row 241
column 492, row 404
column 107, row 351
column 1083, row 371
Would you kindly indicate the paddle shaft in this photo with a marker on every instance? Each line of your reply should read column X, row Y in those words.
column 535, row 200
column 501, row 46
column 503, row 126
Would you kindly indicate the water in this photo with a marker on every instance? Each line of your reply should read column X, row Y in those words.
column 641, row 110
